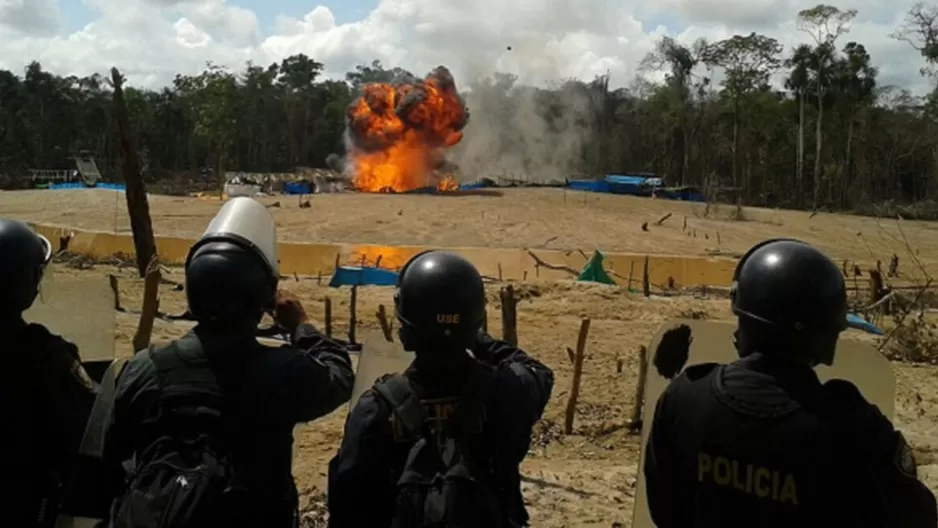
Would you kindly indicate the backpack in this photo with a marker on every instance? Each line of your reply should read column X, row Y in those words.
column 185, row 478
column 446, row 481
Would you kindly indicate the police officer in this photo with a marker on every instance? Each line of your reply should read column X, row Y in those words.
column 761, row 442
column 46, row 395
column 231, row 281
column 440, row 305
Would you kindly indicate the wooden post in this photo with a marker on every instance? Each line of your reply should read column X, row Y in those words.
column 635, row 422
column 646, row 282
column 385, row 324
column 499, row 271
column 353, row 315
column 328, row 302
column 151, row 304
column 136, row 194
column 509, row 315
column 577, row 373
column 115, row 289
column 631, row 270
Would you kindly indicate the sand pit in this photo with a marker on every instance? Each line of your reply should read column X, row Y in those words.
column 587, row 479
column 506, row 218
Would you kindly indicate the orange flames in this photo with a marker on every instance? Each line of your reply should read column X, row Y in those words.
column 399, row 132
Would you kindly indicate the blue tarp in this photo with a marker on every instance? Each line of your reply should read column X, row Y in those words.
column 622, row 179
column 80, row 185
column 60, row 186
column 362, row 276
column 855, row 321
column 589, row 185
column 297, row 188
column 623, row 184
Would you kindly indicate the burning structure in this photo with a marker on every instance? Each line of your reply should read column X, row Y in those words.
column 398, row 132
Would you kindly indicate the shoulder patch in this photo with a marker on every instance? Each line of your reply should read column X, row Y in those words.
column 81, row 375
column 904, row 459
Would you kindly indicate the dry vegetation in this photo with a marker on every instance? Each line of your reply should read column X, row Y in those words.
column 588, row 478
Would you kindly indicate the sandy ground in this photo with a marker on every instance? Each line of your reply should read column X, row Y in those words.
column 587, row 479
column 545, row 218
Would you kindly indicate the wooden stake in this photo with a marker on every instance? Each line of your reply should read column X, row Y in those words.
column 385, row 323
column 577, row 373
column 115, row 289
column 646, row 282
column 635, row 423
column 328, row 302
column 353, row 315
column 509, row 315
column 499, row 271
column 151, row 305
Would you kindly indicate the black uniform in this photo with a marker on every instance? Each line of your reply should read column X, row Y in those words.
column 219, row 381
column 46, row 396
column 370, row 459
column 761, row 442
column 440, row 304
column 272, row 390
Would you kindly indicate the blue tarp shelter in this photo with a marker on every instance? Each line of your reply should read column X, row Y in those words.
column 589, row 185
column 362, row 276
column 622, row 184
column 298, row 187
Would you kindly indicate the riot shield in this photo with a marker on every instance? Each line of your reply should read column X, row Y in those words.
column 713, row 343
column 377, row 358
column 80, row 309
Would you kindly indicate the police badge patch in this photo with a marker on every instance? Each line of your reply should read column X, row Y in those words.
column 904, row 459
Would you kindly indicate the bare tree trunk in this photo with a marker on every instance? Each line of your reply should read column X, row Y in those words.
column 736, row 147
column 800, row 161
column 819, row 144
column 848, row 165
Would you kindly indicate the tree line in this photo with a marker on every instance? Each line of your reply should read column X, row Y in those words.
column 742, row 118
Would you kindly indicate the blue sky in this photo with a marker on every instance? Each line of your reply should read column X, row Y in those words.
column 77, row 14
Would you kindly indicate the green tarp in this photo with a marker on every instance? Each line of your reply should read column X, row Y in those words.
column 593, row 271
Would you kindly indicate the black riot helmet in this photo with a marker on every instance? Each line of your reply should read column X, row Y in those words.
column 24, row 255
column 232, row 271
column 791, row 300
column 439, row 302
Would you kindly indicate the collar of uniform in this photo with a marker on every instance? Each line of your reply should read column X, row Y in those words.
column 779, row 368
column 792, row 385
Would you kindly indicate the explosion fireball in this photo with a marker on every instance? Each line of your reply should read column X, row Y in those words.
column 399, row 131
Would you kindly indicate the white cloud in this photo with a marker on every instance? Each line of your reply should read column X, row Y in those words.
column 29, row 16
column 151, row 40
